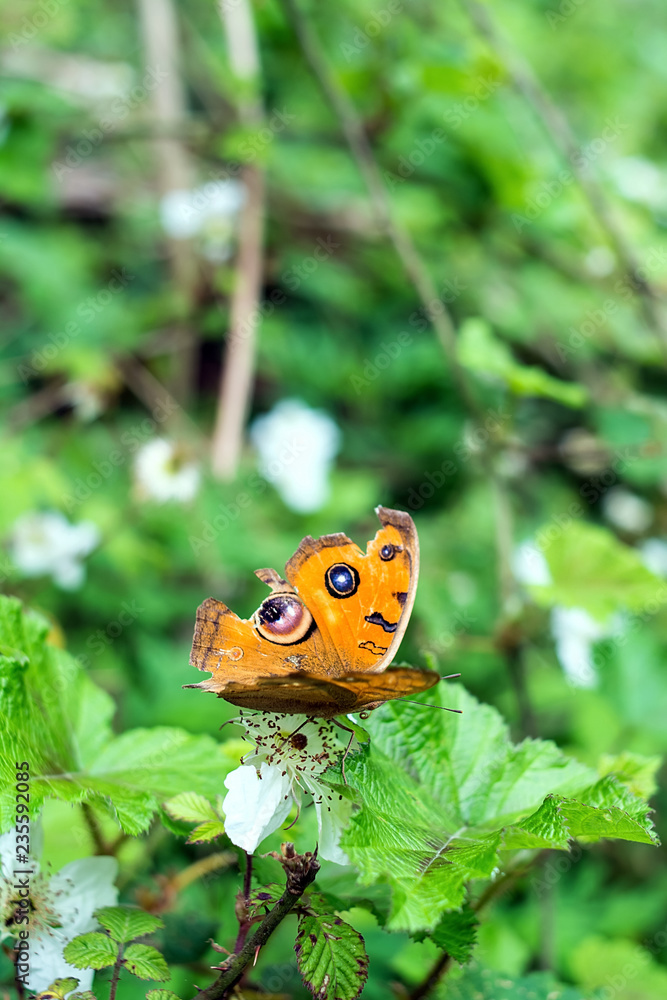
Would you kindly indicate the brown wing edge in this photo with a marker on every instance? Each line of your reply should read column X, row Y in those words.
column 402, row 521
column 208, row 617
column 308, row 545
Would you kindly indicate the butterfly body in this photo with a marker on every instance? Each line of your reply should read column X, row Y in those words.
column 321, row 642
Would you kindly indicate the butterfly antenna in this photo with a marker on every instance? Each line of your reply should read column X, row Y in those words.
column 422, row 704
column 449, row 677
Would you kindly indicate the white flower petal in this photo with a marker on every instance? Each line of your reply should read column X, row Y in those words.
column 575, row 632
column 80, row 888
column 627, row 511
column 47, row 962
column 255, row 804
column 69, row 575
column 333, row 816
column 162, row 475
column 654, row 555
column 530, row 566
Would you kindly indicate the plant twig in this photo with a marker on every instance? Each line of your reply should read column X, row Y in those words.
column 101, row 846
column 432, row 978
column 564, row 140
column 174, row 170
column 301, row 871
column 357, row 139
column 239, row 364
column 116, row 973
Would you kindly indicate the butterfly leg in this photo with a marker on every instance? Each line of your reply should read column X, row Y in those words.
column 347, row 748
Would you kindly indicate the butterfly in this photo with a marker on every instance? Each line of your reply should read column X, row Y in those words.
column 321, row 643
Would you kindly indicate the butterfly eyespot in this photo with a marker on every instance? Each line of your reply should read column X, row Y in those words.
column 387, row 552
column 283, row 619
column 341, row 580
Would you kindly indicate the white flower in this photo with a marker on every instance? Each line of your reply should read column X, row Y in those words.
column 60, row 907
column 575, row 632
column 640, row 181
column 627, row 511
column 653, row 552
column 47, row 544
column 296, row 448
column 209, row 211
column 290, row 756
column 162, row 472
column 600, row 261
column 530, row 566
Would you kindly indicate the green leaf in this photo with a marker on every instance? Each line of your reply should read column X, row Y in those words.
column 444, row 795
column 265, row 897
column 456, row 934
column 330, row 954
column 91, row 951
column 146, row 963
column 55, row 717
column 206, row 832
column 477, row 983
column 480, row 351
column 161, row 995
column 58, row 989
column 125, row 923
column 591, row 569
column 86, row 995
column 191, row 807
column 634, row 770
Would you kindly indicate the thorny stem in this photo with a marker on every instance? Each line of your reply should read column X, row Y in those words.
column 116, row 973
column 242, row 907
column 301, row 872
column 101, row 846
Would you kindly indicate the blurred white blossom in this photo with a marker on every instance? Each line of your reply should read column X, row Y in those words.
column 61, row 906
column 290, row 756
column 640, row 181
column 46, row 544
column 530, row 566
column 574, row 630
column 626, row 511
column 208, row 212
column 600, row 261
column 164, row 471
column 297, row 447
column 653, row 552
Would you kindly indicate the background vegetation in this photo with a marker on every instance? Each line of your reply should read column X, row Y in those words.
column 464, row 265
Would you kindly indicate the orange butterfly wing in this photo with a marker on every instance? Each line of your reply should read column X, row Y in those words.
column 319, row 645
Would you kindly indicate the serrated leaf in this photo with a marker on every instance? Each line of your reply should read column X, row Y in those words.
column 477, row 983
column 162, row 995
column 125, row 923
column 146, row 962
column 443, row 795
column 330, row 954
column 611, row 576
column 58, row 989
column 91, row 951
column 456, row 934
column 57, row 718
column 634, row 770
column 86, row 995
column 206, row 832
column 479, row 350
column 191, row 808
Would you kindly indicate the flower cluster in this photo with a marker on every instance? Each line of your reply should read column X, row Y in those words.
column 165, row 471
column 291, row 754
